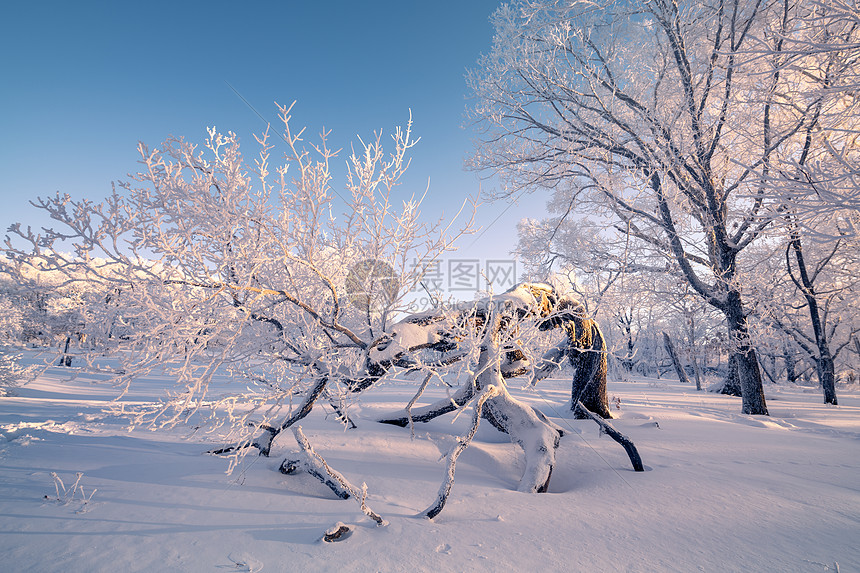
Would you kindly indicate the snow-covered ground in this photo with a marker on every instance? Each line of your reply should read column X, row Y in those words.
column 723, row 491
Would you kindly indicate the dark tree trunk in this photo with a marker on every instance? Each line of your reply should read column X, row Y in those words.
column 749, row 377
column 827, row 376
column 676, row 360
column 427, row 413
column 732, row 385
column 66, row 358
column 625, row 442
column 790, row 364
column 824, row 361
column 589, row 381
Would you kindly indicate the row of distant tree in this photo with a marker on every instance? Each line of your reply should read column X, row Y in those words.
column 637, row 309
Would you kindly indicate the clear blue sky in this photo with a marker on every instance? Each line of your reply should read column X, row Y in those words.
column 84, row 81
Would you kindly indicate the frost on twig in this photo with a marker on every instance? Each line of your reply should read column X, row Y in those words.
column 319, row 468
column 456, row 450
column 414, row 399
column 339, row 406
column 264, row 443
column 12, row 373
column 66, row 495
column 550, row 362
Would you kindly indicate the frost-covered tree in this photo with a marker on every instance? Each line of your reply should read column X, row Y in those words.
column 45, row 306
column 205, row 261
column 11, row 321
column 12, row 373
column 811, row 294
column 816, row 50
column 666, row 115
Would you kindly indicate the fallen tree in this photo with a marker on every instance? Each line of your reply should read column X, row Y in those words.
column 492, row 327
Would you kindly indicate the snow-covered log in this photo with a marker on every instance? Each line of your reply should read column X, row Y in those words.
column 537, row 438
column 527, row 303
column 317, row 467
column 496, row 319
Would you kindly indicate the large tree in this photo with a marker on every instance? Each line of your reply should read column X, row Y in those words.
column 665, row 116
column 815, row 204
column 819, row 56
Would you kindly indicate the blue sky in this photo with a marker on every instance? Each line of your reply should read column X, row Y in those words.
column 84, row 81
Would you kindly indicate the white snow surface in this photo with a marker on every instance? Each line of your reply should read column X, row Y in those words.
column 723, row 491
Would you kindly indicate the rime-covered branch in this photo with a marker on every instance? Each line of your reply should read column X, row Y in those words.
column 317, row 466
column 625, row 442
column 456, row 450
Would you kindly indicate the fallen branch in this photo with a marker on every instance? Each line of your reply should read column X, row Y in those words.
column 318, row 467
column 264, row 444
column 625, row 442
column 459, row 448
column 427, row 413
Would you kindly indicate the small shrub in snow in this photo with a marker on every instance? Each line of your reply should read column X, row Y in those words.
column 74, row 493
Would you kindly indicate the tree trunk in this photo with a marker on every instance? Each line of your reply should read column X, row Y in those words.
column 66, row 358
column 732, row 385
column 525, row 428
column 676, row 361
column 691, row 352
column 790, row 364
column 824, row 361
column 589, row 381
column 827, row 376
column 749, row 376
column 697, row 371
